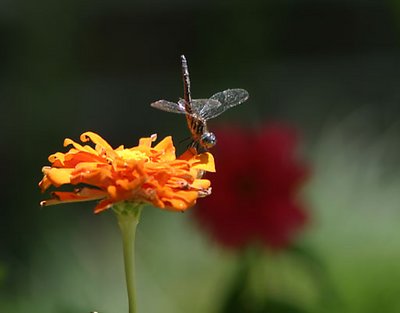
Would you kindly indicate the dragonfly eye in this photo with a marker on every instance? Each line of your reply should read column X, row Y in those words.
column 208, row 140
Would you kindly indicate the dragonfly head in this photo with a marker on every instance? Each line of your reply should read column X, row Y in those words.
column 208, row 140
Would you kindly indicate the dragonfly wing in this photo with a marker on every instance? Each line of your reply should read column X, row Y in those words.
column 231, row 97
column 169, row 106
column 219, row 103
column 206, row 108
column 200, row 106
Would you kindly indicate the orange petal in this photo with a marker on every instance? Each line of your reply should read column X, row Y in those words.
column 179, row 200
column 79, row 147
column 177, row 205
column 146, row 142
column 84, row 194
column 44, row 184
column 72, row 159
column 58, row 176
column 201, row 184
column 112, row 191
column 103, row 205
column 204, row 161
column 166, row 146
column 131, row 185
column 85, row 137
column 58, row 156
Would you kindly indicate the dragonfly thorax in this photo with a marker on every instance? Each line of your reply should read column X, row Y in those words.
column 208, row 140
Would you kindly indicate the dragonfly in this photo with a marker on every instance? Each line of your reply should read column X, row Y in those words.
column 199, row 111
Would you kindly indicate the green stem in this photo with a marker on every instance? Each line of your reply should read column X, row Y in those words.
column 128, row 218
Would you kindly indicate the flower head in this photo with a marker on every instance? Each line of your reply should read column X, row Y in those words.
column 139, row 174
column 255, row 194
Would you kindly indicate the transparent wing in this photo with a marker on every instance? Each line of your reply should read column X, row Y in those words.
column 206, row 108
column 231, row 97
column 227, row 99
column 200, row 107
column 169, row 106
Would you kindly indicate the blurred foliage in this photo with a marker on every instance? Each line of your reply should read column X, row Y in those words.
column 331, row 67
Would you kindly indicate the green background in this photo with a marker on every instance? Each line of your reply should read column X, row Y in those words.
column 331, row 68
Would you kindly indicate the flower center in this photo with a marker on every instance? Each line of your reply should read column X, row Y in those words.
column 127, row 154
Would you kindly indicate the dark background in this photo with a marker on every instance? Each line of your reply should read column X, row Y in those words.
column 331, row 68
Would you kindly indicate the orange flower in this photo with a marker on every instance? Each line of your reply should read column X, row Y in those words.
column 142, row 174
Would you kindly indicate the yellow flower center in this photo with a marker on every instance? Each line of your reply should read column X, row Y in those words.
column 127, row 154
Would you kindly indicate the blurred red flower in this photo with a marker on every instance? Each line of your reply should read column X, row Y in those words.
column 255, row 192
